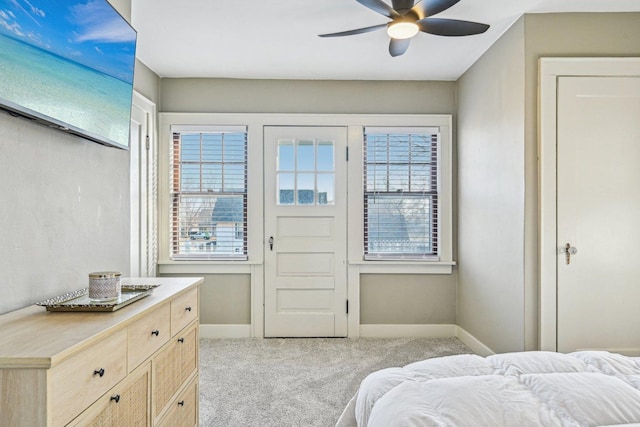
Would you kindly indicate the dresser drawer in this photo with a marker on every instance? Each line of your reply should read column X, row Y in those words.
column 183, row 310
column 128, row 404
column 148, row 334
column 175, row 363
column 183, row 411
column 80, row 380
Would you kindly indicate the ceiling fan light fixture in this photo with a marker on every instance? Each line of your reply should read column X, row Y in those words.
column 402, row 30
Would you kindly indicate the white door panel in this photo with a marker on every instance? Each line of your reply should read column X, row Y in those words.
column 305, row 231
column 598, row 208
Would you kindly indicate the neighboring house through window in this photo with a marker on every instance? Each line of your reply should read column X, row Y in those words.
column 209, row 192
column 401, row 193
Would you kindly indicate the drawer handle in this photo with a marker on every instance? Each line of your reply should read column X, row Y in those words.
column 181, row 403
column 187, row 309
column 180, row 340
column 99, row 372
column 156, row 332
column 116, row 398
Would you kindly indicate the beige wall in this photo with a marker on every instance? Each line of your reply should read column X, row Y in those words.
column 417, row 299
column 306, row 96
column 407, row 299
column 146, row 82
column 498, row 277
column 224, row 298
column 65, row 209
column 491, row 195
column 123, row 7
column 561, row 35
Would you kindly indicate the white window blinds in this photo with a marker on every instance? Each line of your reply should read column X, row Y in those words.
column 209, row 193
column 401, row 193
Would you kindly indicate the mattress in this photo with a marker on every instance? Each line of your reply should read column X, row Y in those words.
column 587, row 388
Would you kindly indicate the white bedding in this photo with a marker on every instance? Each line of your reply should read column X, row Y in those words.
column 588, row 388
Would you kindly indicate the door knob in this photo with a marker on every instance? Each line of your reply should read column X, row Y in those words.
column 271, row 243
column 568, row 250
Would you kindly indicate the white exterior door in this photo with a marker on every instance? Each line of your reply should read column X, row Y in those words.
column 598, row 214
column 305, row 193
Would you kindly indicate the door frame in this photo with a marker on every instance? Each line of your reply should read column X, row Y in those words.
column 549, row 71
column 143, row 175
column 271, row 135
column 253, row 267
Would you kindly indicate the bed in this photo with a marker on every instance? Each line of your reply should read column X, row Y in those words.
column 587, row 388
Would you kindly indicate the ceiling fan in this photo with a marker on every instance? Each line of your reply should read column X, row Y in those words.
column 408, row 19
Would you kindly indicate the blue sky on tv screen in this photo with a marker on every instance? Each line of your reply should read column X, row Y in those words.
column 88, row 32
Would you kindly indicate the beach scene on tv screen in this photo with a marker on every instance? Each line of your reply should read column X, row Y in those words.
column 70, row 61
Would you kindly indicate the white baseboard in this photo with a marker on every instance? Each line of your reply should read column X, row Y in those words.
column 426, row 331
column 407, row 331
column 473, row 343
column 370, row 331
column 225, row 331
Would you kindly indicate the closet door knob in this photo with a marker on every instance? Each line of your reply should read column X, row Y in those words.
column 99, row 372
column 116, row 398
column 187, row 309
column 180, row 340
column 181, row 403
column 156, row 332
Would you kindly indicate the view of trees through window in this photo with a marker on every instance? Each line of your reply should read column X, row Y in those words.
column 209, row 190
column 209, row 196
column 400, row 193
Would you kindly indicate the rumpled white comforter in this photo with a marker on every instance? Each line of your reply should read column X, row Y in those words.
column 587, row 388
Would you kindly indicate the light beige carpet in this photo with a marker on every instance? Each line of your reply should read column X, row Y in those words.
column 297, row 382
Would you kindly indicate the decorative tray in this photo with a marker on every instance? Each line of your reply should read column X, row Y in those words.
column 79, row 300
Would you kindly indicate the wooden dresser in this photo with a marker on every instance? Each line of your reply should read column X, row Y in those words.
column 137, row 366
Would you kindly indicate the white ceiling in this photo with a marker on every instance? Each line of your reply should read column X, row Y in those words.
column 277, row 39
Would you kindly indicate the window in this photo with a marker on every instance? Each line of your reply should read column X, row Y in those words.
column 401, row 193
column 209, row 193
column 306, row 172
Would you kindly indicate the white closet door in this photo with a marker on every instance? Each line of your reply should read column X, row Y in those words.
column 598, row 214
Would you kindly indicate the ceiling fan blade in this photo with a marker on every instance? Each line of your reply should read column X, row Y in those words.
column 381, row 7
column 397, row 47
column 426, row 8
column 451, row 27
column 353, row 32
column 402, row 6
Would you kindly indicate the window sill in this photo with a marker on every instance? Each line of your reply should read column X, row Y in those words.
column 403, row 267
column 365, row 267
column 206, row 267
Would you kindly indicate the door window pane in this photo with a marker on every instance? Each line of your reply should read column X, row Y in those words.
column 325, row 189
column 306, row 156
column 286, row 156
column 306, row 189
column 305, row 172
column 325, row 156
column 286, row 186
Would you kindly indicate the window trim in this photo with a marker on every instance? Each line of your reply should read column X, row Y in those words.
column 254, row 266
column 433, row 231
column 176, row 192
column 445, row 263
column 354, row 123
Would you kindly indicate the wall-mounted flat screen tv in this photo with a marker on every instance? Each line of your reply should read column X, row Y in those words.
column 68, row 63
